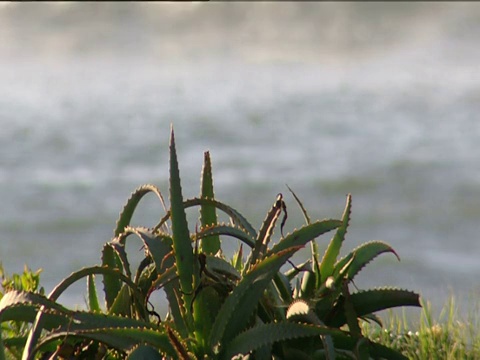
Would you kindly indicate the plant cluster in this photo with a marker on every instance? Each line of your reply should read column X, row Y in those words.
column 246, row 306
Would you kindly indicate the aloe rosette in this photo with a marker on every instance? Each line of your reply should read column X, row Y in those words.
column 218, row 308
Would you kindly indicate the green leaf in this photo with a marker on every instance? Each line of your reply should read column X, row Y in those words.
column 305, row 234
column 222, row 267
column 379, row 351
column 122, row 304
column 205, row 308
column 266, row 231
column 120, row 337
column 283, row 287
column 157, row 245
column 227, row 230
column 370, row 301
column 208, row 214
column 179, row 345
column 307, row 288
column 267, row 334
column 333, row 250
column 23, row 306
column 118, row 244
column 80, row 274
column 235, row 216
column 93, row 304
column 237, row 260
column 144, row 352
column 362, row 255
column 164, row 278
column 129, row 208
column 111, row 283
column 182, row 246
column 349, row 311
column 235, row 312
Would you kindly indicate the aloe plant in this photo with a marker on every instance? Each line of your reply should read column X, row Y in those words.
column 218, row 308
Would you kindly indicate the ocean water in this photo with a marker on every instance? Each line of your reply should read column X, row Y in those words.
column 377, row 100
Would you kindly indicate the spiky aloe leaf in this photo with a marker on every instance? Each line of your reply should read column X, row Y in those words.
column 93, row 303
column 361, row 256
column 266, row 231
column 221, row 267
column 370, row 301
column 346, row 345
column 237, row 218
column 208, row 213
column 88, row 321
column 294, row 271
column 379, row 351
column 205, row 309
column 307, row 287
column 283, row 287
column 123, row 303
column 333, row 249
column 164, row 278
column 228, row 230
column 168, row 280
column 157, row 245
column 239, row 305
column 121, row 333
column 179, row 346
column 24, row 306
column 305, row 234
column 80, row 274
column 237, row 259
column 132, row 202
column 209, row 299
column 119, row 338
column 181, row 237
column 111, row 282
column 39, row 321
column 267, row 334
column 144, row 352
column 118, row 244
column 327, row 295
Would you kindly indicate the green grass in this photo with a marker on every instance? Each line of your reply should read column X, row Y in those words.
column 449, row 336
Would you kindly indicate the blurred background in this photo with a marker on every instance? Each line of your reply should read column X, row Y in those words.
column 380, row 100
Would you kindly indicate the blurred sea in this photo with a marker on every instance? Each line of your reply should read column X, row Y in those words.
column 380, row 100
